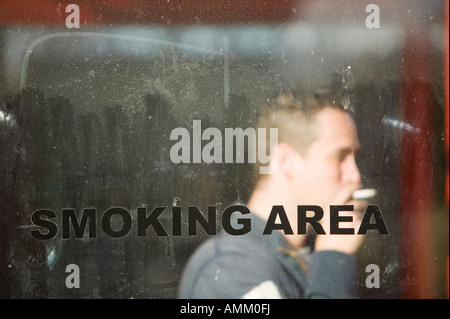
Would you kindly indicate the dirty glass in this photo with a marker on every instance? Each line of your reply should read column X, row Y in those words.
column 87, row 111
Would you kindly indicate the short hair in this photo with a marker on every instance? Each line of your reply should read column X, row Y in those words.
column 293, row 114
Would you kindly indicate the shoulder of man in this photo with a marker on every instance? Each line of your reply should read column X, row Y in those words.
column 231, row 267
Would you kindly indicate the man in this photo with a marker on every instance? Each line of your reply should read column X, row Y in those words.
column 317, row 142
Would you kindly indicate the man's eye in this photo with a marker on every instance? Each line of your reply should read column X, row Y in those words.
column 341, row 156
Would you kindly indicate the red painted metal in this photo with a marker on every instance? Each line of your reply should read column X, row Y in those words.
column 164, row 12
column 447, row 118
column 417, row 179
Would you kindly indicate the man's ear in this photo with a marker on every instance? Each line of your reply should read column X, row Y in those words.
column 289, row 160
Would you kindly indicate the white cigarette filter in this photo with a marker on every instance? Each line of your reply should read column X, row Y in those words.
column 365, row 193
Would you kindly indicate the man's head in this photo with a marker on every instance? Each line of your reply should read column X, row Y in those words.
column 317, row 141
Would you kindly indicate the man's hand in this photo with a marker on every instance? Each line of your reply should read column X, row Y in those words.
column 346, row 243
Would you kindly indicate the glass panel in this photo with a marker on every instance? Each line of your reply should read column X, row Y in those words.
column 89, row 116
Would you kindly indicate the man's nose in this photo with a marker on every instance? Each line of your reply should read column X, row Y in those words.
column 352, row 173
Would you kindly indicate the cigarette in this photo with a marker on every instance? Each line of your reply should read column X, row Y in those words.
column 365, row 193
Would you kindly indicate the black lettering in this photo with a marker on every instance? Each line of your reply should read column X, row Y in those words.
column 313, row 221
column 194, row 216
column 145, row 221
column 373, row 210
column 69, row 217
column 126, row 222
column 36, row 219
column 284, row 222
column 176, row 221
column 335, row 219
column 245, row 222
